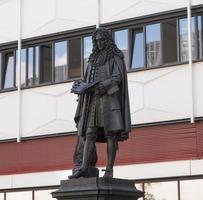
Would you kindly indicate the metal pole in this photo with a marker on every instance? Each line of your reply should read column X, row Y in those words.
column 190, row 62
column 19, row 73
column 99, row 13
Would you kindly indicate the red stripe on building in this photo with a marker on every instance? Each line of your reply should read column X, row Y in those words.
column 147, row 144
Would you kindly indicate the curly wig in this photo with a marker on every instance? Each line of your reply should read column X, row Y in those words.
column 109, row 45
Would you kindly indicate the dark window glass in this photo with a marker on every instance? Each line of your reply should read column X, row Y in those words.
column 36, row 69
column 161, row 190
column 74, row 58
column 45, row 63
column 31, row 66
column 60, row 61
column 199, row 21
column 169, row 31
column 87, row 50
column 121, row 40
column 8, row 71
column 1, row 64
column 23, row 67
column 138, row 49
column 183, row 32
column 191, row 189
column 153, row 45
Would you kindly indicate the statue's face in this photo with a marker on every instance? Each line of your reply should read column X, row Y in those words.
column 100, row 41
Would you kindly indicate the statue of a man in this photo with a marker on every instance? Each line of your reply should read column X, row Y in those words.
column 103, row 113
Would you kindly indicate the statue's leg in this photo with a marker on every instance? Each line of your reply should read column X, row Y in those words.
column 112, row 147
column 88, row 152
column 78, row 154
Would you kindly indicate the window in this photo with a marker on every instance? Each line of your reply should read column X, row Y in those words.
column 183, row 35
column 60, row 61
column 23, row 67
column 7, row 70
column 87, row 50
column 161, row 190
column 37, row 64
column 138, row 53
column 191, row 189
column 153, row 45
column 169, row 41
column 43, row 195
column 45, row 63
column 30, row 80
column 199, row 34
column 74, row 48
column 19, row 195
column 1, row 196
column 139, row 186
column 121, row 40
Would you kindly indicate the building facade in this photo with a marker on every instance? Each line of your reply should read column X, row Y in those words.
column 44, row 47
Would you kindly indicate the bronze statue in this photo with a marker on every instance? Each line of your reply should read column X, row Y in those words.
column 103, row 113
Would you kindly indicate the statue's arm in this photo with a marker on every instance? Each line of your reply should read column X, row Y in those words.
column 111, row 85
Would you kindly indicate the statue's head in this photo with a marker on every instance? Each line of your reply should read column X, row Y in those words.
column 102, row 41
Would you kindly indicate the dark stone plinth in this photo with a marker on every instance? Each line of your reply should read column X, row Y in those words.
column 97, row 189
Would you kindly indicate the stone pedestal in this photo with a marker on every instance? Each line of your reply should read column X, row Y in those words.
column 97, row 189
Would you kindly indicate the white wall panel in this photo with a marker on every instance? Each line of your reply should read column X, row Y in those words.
column 50, row 16
column 118, row 9
column 155, row 95
column 8, row 115
column 159, row 94
column 198, row 91
column 48, row 110
column 9, row 15
column 196, row 2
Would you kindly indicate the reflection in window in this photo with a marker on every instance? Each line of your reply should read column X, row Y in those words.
column 45, row 63
column 1, row 68
column 139, row 186
column 169, row 32
column 23, row 67
column 43, row 195
column 60, row 61
column 87, row 50
column 161, row 190
column 8, row 71
column 30, row 66
column 191, row 189
column 74, row 58
column 138, row 50
column 36, row 71
column 199, row 29
column 183, row 31
column 19, row 195
column 1, row 196
column 121, row 40
column 153, row 43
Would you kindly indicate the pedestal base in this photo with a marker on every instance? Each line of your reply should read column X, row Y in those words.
column 97, row 189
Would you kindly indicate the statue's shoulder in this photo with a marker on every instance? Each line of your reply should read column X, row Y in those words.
column 119, row 59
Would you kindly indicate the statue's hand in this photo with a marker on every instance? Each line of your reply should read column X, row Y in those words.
column 78, row 87
column 100, row 89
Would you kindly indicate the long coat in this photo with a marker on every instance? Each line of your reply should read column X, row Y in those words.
column 115, row 101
